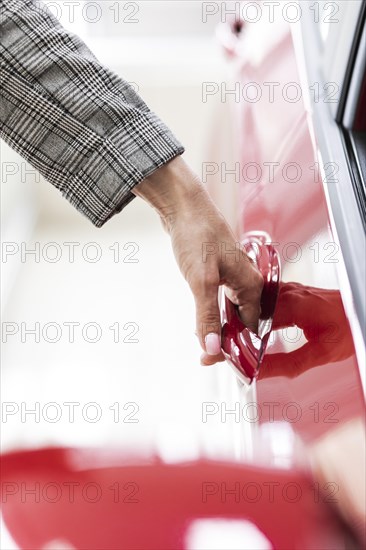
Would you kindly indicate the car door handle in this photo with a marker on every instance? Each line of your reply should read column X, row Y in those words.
column 242, row 348
column 229, row 34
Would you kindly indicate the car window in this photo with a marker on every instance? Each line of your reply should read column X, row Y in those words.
column 352, row 115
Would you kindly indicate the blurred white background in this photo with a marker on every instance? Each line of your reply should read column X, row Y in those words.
column 149, row 393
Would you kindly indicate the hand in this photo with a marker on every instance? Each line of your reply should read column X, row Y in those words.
column 206, row 252
column 319, row 313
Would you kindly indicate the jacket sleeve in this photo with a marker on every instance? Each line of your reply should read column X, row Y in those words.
column 82, row 127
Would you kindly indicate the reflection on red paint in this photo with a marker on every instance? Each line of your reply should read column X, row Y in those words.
column 319, row 313
column 48, row 495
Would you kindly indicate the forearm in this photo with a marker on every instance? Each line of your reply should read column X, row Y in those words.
column 84, row 128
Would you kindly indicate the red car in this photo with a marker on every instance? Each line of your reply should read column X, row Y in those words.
column 298, row 103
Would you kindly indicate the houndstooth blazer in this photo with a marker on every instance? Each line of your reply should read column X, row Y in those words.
column 85, row 129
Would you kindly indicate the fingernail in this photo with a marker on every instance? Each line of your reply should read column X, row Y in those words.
column 213, row 345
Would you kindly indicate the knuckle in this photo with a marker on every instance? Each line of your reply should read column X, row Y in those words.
column 208, row 319
column 251, row 291
column 209, row 324
column 205, row 282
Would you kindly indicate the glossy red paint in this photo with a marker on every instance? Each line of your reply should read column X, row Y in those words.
column 309, row 378
column 317, row 370
column 93, row 502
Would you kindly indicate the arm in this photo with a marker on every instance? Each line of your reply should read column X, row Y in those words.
column 92, row 136
column 81, row 126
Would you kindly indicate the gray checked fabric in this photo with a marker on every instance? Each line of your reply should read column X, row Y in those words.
column 85, row 129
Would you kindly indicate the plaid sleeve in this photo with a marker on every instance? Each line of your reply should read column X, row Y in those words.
column 85, row 129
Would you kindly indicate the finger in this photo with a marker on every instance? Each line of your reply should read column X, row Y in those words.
column 207, row 360
column 208, row 321
column 244, row 288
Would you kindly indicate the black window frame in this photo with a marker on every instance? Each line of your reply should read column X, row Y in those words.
column 354, row 140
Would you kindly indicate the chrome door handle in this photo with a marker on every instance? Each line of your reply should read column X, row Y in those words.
column 244, row 349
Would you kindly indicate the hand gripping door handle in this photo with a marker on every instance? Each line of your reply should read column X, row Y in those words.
column 243, row 349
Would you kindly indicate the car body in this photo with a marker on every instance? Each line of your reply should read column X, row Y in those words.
column 297, row 481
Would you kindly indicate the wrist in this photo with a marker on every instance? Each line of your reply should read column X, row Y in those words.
column 170, row 190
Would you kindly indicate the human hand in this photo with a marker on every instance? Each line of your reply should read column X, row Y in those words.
column 319, row 313
column 206, row 252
